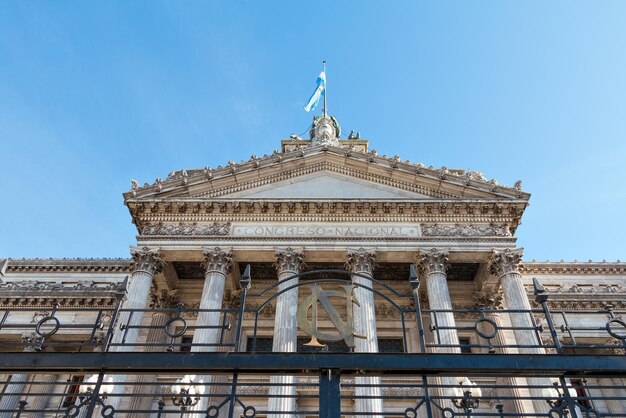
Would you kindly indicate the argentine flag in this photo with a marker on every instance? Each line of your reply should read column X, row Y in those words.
column 319, row 91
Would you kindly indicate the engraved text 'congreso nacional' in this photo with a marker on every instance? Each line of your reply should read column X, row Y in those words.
column 326, row 231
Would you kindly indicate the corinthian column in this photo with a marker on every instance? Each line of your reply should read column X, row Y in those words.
column 147, row 388
column 146, row 263
column 362, row 261
column 493, row 302
column 45, row 387
column 432, row 266
column 217, row 264
column 504, row 264
column 288, row 263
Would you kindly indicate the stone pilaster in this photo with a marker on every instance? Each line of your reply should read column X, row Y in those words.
column 362, row 261
column 146, row 263
column 504, row 265
column 610, row 390
column 163, row 299
column 45, row 384
column 15, row 389
column 513, row 394
column 432, row 266
column 288, row 263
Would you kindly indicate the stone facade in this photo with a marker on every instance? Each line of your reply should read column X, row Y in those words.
column 324, row 203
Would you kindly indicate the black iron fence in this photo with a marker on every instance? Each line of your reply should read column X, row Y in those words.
column 84, row 362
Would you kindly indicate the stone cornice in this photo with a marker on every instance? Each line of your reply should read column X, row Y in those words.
column 64, row 293
column 185, row 180
column 67, row 265
column 575, row 268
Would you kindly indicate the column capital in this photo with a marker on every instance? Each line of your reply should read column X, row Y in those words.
column 163, row 299
column 361, row 260
column 147, row 260
column 505, row 261
column 489, row 300
column 217, row 260
column 433, row 261
column 289, row 260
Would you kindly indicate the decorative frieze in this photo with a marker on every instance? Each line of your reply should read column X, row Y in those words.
column 505, row 261
column 146, row 259
column 361, row 260
column 182, row 228
column 433, row 261
column 289, row 260
column 573, row 268
column 218, row 260
column 465, row 230
column 33, row 293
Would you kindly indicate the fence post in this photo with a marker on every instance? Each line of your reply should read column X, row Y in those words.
column 330, row 395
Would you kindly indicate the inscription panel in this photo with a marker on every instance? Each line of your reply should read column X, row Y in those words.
column 326, row 230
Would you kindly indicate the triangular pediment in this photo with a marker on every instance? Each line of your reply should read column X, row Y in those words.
column 325, row 185
column 325, row 172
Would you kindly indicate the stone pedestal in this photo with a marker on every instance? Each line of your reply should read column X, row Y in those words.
column 503, row 264
column 362, row 262
column 432, row 266
column 217, row 264
column 147, row 388
column 288, row 262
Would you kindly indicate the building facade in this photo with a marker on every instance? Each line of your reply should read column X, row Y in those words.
column 321, row 280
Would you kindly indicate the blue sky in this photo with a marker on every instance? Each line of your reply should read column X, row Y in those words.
column 93, row 94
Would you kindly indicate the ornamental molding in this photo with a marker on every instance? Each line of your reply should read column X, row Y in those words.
column 573, row 268
column 33, row 293
column 289, row 260
column 361, row 260
column 66, row 265
column 505, row 262
column 187, row 179
column 432, row 261
column 466, row 230
column 146, row 260
column 182, row 228
column 449, row 209
column 217, row 260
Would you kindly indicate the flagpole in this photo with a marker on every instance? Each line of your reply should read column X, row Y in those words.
column 325, row 87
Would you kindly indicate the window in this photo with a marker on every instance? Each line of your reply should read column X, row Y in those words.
column 73, row 390
column 185, row 344
column 465, row 343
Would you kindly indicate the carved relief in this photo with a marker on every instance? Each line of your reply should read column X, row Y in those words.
column 489, row 300
column 214, row 229
column 289, row 260
column 163, row 299
column 325, row 131
column 146, row 259
column 433, row 261
column 361, row 260
column 217, row 260
column 465, row 230
column 505, row 262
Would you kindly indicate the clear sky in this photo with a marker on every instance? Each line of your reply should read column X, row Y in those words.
column 93, row 94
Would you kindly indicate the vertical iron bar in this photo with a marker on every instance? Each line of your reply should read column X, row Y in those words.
column 116, row 311
column 415, row 284
column 233, row 396
column 245, row 284
column 571, row 403
column 542, row 298
column 330, row 395
column 429, row 407
column 95, row 396
column 20, row 408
